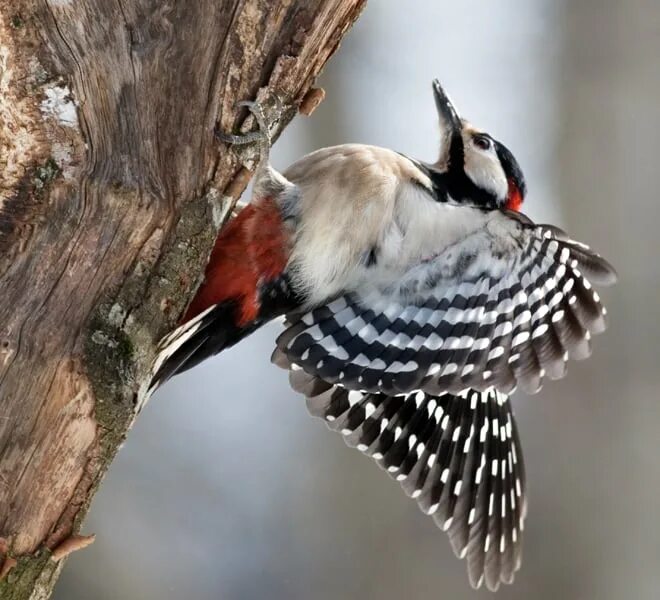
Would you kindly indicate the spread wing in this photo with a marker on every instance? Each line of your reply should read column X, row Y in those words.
column 415, row 373
column 457, row 455
column 506, row 305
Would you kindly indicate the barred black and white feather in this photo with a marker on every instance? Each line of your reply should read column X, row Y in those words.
column 506, row 306
column 417, row 373
column 457, row 455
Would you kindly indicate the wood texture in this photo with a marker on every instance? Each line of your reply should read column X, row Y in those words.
column 112, row 188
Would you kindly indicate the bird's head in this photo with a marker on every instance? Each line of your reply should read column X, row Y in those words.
column 480, row 170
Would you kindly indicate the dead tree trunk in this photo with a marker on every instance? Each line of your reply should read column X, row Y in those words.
column 111, row 192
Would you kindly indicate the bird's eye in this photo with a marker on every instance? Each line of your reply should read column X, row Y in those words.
column 481, row 141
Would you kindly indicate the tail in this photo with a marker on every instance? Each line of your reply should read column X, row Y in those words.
column 207, row 334
column 245, row 286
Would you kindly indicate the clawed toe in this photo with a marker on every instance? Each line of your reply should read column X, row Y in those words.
column 265, row 124
column 239, row 140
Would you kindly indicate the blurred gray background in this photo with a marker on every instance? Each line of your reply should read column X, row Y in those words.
column 227, row 489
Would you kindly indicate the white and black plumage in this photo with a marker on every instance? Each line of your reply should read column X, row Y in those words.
column 417, row 298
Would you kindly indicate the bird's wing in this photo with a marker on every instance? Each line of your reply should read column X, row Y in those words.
column 458, row 455
column 415, row 375
column 506, row 305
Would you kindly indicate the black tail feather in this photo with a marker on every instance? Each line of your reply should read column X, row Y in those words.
column 217, row 329
column 206, row 335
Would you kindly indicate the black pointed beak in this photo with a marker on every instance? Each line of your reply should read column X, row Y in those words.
column 451, row 128
column 446, row 111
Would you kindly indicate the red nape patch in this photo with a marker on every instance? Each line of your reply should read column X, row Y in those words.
column 252, row 248
column 514, row 200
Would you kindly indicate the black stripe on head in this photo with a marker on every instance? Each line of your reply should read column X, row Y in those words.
column 511, row 167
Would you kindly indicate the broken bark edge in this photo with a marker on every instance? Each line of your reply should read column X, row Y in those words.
column 311, row 101
column 72, row 544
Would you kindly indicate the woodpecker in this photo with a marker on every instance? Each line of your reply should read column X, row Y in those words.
column 416, row 298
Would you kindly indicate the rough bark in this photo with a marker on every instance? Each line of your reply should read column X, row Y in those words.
column 111, row 192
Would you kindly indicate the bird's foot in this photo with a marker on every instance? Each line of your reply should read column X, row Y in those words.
column 266, row 125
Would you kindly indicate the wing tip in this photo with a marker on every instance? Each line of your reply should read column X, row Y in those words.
column 404, row 433
column 601, row 271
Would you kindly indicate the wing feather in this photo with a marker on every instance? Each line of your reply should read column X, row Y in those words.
column 416, row 373
column 508, row 317
column 456, row 454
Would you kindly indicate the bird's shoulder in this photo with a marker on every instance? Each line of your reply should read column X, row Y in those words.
column 350, row 164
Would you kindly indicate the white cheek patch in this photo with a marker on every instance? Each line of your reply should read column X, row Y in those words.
column 484, row 169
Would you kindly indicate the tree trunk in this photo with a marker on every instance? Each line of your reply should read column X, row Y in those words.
column 112, row 189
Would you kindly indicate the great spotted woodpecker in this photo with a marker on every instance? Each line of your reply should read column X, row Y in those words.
column 417, row 297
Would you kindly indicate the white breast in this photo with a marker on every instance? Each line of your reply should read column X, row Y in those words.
column 355, row 199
